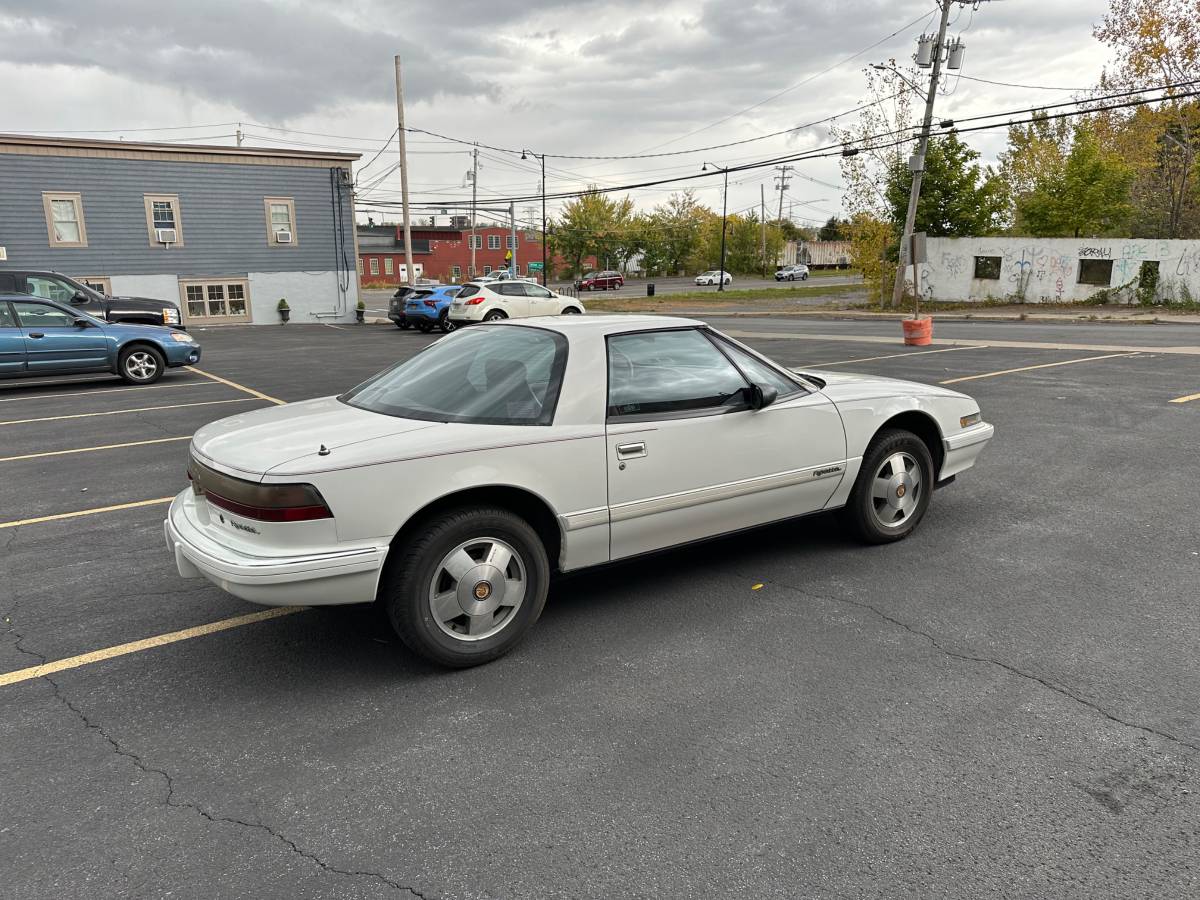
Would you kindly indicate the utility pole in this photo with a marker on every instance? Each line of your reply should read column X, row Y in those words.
column 512, row 216
column 474, row 185
column 762, row 206
column 782, row 178
column 917, row 164
column 408, row 253
column 239, row 134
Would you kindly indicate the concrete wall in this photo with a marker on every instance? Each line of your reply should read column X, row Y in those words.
column 1040, row 270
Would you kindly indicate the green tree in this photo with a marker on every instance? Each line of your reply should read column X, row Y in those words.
column 672, row 232
column 1086, row 196
column 958, row 198
column 592, row 224
column 1036, row 154
column 834, row 230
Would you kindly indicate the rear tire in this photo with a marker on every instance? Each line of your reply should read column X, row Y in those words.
column 141, row 365
column 494, row 316
column 429, row 585
column 445, row 324
column 891, row 494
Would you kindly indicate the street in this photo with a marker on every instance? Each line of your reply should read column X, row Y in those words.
column 1001, row 705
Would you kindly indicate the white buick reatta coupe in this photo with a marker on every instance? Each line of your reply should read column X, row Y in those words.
column 449, row 487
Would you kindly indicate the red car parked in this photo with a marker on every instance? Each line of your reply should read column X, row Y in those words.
column 600, row 281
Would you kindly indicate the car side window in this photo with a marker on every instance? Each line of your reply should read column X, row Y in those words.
column 42, row 315
column 6, row 316
column 534, row 290
column 50, row 288
column 510, row 289
column 759, row 372
column 667, row 373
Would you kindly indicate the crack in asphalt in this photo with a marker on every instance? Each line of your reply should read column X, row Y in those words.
column 173, row 801
column 1008, row 667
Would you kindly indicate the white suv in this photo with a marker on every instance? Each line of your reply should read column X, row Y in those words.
column 486, row 302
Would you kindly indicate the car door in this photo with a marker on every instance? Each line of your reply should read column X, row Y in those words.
column 688, row 458
column 54, row 343
column 513, row 299
column 61, row 291
column 542, row 302
column 12, row 343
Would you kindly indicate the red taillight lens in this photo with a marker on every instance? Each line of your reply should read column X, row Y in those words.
column 474, row 300
column 254, row 500
column 431, row 303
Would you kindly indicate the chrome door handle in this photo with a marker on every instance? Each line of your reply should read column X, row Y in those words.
column 36, row 334
column 630, row 451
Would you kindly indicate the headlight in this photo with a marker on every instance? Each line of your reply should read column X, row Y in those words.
column 973, row 419
column 181, row 338
column 171, row 315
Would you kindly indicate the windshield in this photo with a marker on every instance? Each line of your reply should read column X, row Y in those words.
column 487, row 375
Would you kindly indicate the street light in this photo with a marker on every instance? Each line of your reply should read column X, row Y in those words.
column 543, row 159
column 882, row 68
column 724, row 207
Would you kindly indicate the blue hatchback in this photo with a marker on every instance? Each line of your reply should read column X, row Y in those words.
column 41, row 337
column 429, row 307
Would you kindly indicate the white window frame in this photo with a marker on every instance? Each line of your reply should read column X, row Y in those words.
column 374, row 265
column 204, row 284
column 487, row 270
column 475, row 242
column 360, row 266
column 510, row 242
column 173, row 199
column 493, row 242
column 290, row 203
column 67, row 196
column 456, row 271
column 389, row 266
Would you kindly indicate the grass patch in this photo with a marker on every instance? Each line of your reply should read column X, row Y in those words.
column 712, row 296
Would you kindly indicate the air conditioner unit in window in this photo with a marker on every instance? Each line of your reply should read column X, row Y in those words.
column 283, row 237
column 165, row 235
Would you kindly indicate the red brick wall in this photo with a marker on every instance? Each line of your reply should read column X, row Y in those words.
column 448, row 249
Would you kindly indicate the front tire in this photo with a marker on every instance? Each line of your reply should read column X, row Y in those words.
column 571, row 311
column 445, row 324
column 892, row 491
column 141, row 365
column 468, row 587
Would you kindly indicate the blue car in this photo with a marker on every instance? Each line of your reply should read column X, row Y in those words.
column 430, row 307
column 41, row 337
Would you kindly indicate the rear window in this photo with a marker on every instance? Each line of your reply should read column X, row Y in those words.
column 469, row 291
column 486, row 375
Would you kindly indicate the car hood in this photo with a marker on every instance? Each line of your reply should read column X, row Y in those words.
column 851, row 386
column 254, row 443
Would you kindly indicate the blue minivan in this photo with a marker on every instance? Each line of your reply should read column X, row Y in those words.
column 41, row 337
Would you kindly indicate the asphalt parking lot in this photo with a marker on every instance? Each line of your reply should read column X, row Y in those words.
column 1003, row 705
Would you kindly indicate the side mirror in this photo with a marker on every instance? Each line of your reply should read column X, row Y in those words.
column 759, row 396
column 80, row 297
column 81, row 322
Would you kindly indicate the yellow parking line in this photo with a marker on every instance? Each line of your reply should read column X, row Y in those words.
column 171, row 637
column 90, row 449
column 240, row 387
column 1188, row 399
column 86, row 512
column 1067, row 362
column 117, row 412
column 145, row 387
column 843, row 362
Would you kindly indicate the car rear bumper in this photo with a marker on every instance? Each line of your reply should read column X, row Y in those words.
column 324, row 578
column 962, row 449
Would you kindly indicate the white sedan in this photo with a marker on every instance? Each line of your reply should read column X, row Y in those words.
column 713, row 277
column 449, row 487
column 494, row 300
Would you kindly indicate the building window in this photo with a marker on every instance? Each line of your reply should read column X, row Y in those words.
column 456, row 271
column 101, row 283
column 374, row 265
column 475, row 242
column 223, row 300
column 511, row 241
column 487, row 270
column 163, row 221
column 470, row 271
column 281, row 221
column 64, row 220
column 987, row 267
column 1095, row 271
column 389, row 266
column 360, row 265
column 493, row 242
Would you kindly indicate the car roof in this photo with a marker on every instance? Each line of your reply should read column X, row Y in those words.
column 578, row 327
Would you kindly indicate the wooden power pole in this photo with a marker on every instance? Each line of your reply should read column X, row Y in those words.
column 408, row 253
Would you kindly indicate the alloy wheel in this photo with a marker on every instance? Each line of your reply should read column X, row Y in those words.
column 141, row 366
column 477, row 589
column 896, row 489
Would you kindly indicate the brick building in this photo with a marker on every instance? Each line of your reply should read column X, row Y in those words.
column 444, row 253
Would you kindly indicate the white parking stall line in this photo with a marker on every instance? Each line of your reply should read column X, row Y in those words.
column 166, row 440
column 146, row 387
column 118, row 412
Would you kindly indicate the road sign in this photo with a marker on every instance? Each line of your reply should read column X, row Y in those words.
column 534, row 267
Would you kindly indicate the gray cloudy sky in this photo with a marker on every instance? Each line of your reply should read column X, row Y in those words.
column 568, row 77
